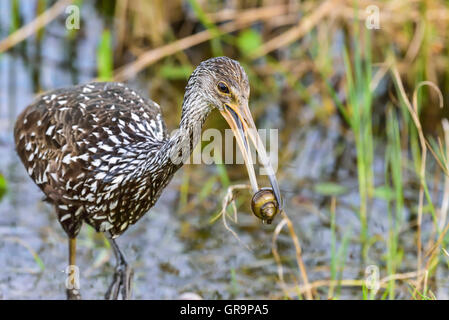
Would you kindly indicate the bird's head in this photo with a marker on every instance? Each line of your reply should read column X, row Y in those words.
column 223, row 84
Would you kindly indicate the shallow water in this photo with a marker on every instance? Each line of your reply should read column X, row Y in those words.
column 176, row 252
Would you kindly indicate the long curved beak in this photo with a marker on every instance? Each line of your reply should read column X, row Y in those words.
column 242, row 124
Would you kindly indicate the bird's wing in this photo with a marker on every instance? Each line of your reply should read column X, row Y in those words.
column 65, row 133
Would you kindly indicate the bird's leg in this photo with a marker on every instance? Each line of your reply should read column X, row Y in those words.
column 122, row 276
column 72, row 282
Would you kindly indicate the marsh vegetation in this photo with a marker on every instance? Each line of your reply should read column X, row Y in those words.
column 363, row 147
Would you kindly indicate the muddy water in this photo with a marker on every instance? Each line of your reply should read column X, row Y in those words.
column 33, row 248
column 172, row 252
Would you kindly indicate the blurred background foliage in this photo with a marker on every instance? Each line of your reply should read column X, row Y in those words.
column 360, row 111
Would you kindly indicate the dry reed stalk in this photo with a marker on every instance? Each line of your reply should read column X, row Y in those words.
column 286, row 221
column 39, row 22
column 432, row 251
column 355, row 282
column 415, row 106
column 248, row 14
column 120, row 23
column 383, row 69
column 389, row 15
column 413, row 110
column 227, row 200
column 415, row 119
column 276, row 255
column 445, row 202
column 154, row 55
column 298, row 31
column 333, row 209
column 415, row 44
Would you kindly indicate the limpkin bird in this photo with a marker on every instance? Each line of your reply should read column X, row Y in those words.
column 101, row 153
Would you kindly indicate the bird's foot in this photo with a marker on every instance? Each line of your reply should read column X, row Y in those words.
column 121, row 283
column 73, row 294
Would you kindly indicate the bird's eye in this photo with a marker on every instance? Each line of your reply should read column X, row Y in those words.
column 223, row 87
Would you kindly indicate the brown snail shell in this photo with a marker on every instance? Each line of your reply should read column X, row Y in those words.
column 264, row 205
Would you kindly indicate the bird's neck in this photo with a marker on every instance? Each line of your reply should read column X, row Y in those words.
column 178, row 148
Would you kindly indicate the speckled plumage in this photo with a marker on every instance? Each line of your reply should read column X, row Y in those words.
column 102, row 155
column 100, row 152
column 93, row 149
